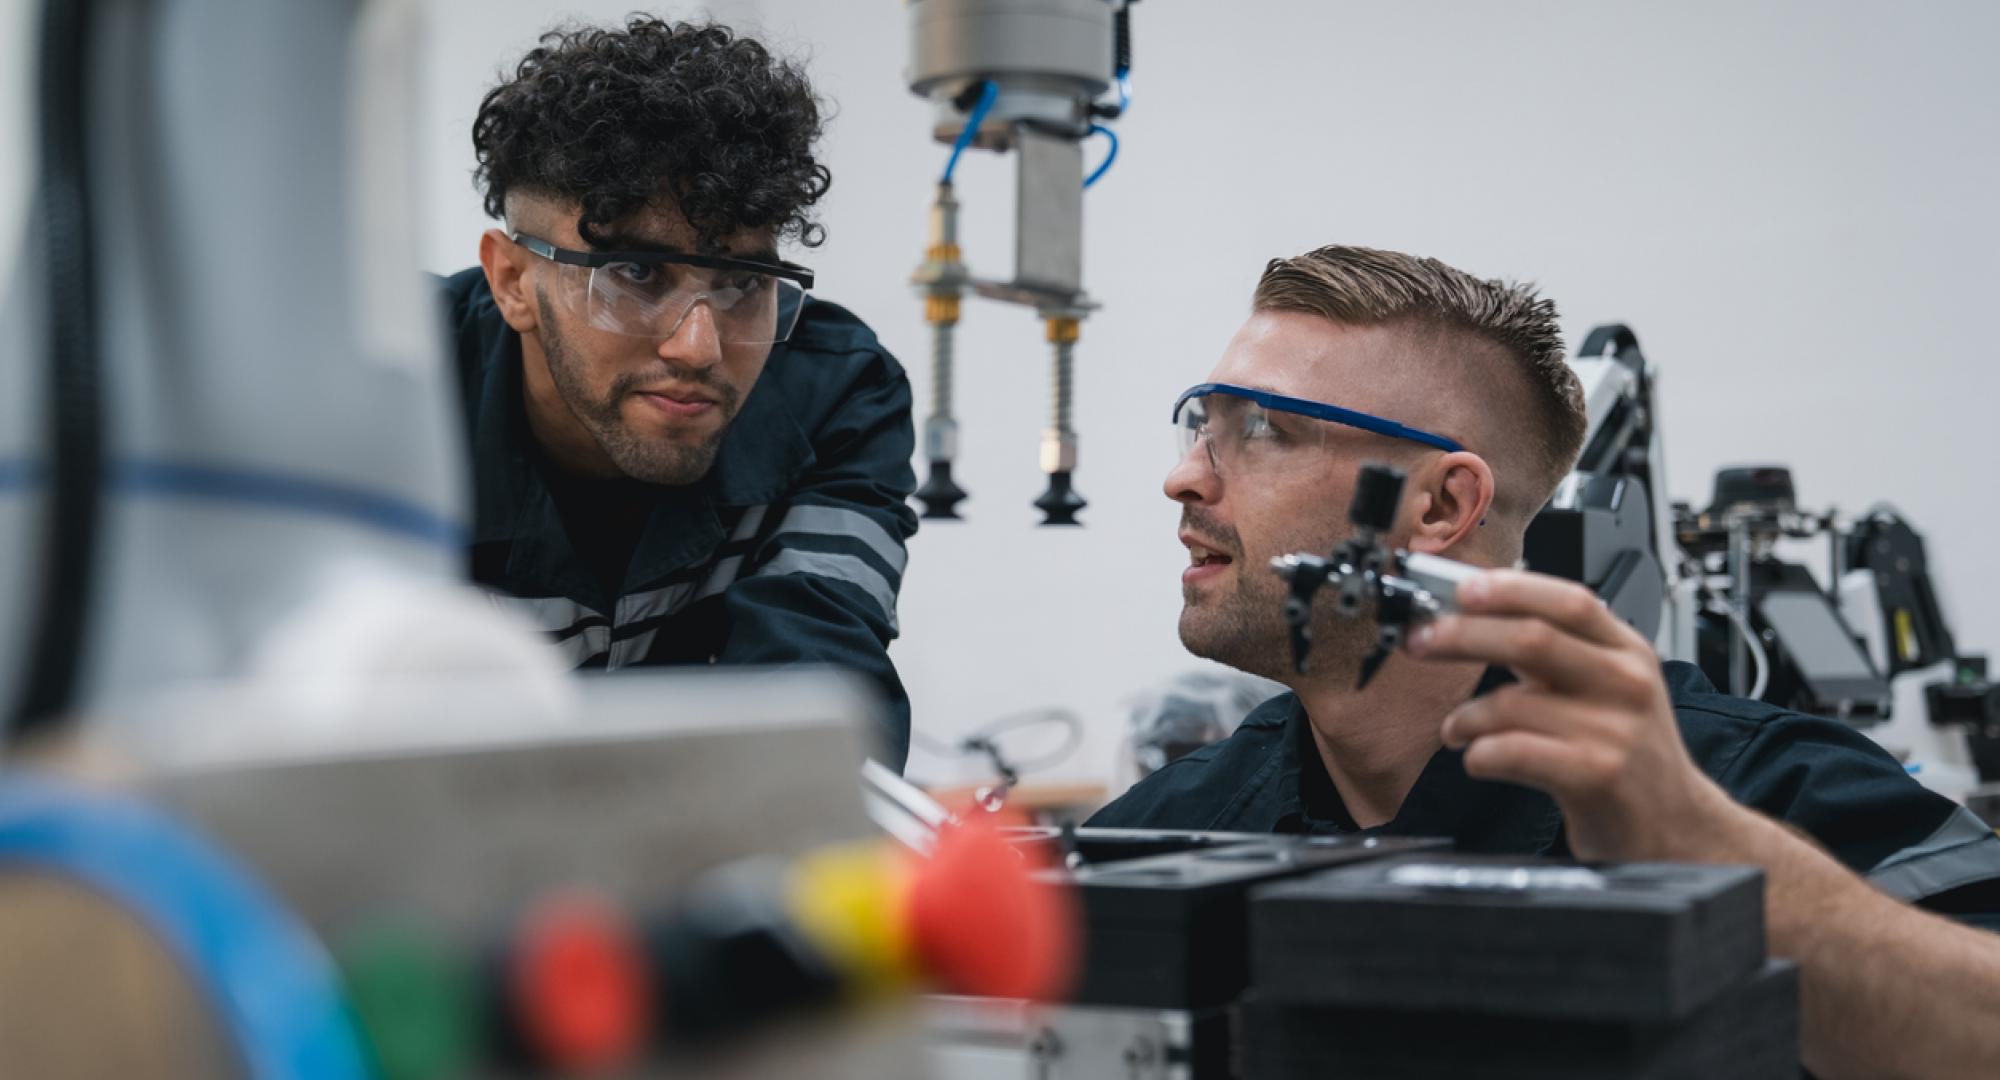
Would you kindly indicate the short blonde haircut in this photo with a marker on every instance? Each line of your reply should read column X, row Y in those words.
column 1363, row 287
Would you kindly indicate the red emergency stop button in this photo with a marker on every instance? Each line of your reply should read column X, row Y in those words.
column 578, row 981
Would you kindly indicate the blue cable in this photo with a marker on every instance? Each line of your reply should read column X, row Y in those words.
column 972, row 122
column 1100, row 129
column 1124, row 90
column 277, row 994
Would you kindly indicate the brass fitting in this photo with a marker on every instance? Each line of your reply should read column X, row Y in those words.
column 1064, row 330
column 941, row 310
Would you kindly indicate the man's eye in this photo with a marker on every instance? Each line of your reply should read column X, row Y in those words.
column 634, row 273
column 1257, row 425
column 747, row 284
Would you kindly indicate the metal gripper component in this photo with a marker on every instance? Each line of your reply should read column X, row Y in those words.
column 1060, row 502
column 1357, row 569
column 1354, row 568
column 941, row 281
column 1377, row 493
column 1404, row 588
column 1305, row 574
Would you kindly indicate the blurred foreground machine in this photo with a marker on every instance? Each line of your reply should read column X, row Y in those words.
column 458, row 890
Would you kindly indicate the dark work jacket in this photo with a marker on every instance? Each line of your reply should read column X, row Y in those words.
column 790, row 550
column 1824, row 778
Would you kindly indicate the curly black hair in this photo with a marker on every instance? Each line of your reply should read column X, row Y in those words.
column 679, row 114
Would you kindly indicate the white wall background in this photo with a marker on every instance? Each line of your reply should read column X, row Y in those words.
column 1793, row 203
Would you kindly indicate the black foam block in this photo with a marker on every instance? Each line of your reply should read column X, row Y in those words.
column 1634, row 942
column 1748, row 1032
column 1171, row 931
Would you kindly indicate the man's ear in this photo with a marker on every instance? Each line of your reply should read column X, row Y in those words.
column 1454, row 503
column 506, row 266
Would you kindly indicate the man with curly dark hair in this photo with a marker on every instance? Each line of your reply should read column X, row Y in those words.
column 681, row 456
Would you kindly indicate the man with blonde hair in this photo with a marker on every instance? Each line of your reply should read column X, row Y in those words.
column 1534, row 722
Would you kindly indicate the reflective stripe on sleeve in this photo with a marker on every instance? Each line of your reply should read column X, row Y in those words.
column 837, row 521
column 1962, row 850
column 852, row 569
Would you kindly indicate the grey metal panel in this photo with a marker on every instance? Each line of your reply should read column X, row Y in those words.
column 1048, row 230
column 644, row 782
column 992, row 1039
column 1066, row 43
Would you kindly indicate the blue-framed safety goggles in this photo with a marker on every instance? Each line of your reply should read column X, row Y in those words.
column 1237, row 421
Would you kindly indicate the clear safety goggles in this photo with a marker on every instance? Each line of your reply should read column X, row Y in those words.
column 1249, row 431
column 648, row 294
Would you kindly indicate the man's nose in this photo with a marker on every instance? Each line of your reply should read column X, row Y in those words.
column 1194, row 480
column 695, row 342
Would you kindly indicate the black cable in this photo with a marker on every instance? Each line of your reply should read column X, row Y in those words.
column 1121, row 62
column 75, row 427
column 980, row 741
column 1121, row 41
column 1072, row 726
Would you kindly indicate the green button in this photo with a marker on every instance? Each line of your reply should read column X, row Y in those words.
column 414, row 999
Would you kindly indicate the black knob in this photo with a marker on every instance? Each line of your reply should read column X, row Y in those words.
column 1060, row 502
column 1377, row 494
column 939, row 495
